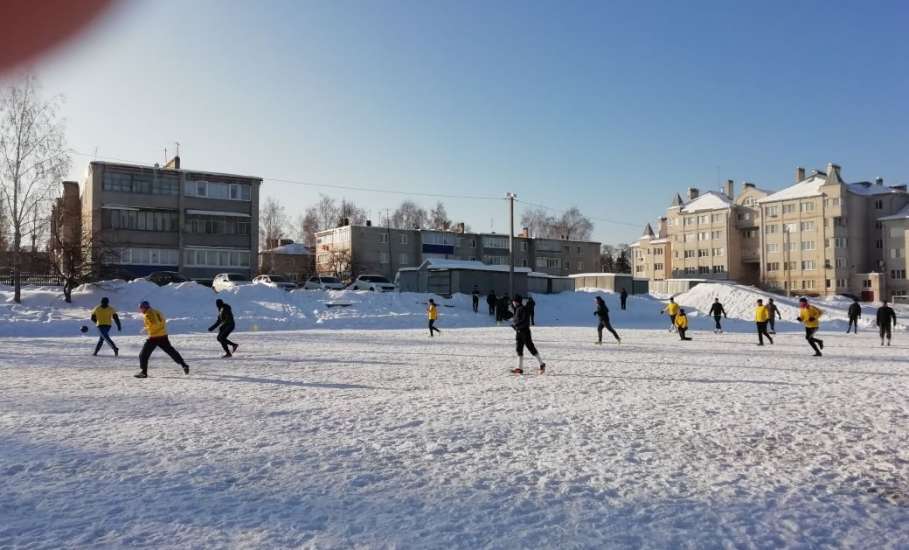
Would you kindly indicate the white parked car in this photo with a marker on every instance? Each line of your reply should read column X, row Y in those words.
column 373, row 282
column 277, row 281
column 323, row 283
column 223, row 281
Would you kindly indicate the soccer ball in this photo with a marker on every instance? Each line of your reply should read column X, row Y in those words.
column 84, row 329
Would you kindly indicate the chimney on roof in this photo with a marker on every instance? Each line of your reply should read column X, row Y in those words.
column 898, row 187
column 173, row 164
column 693, row 193
column 878, row 181
column 460, row 227
column 729, row 188
column 368, row 223
column 748, row 185
column 662, row 228
column 833, row 173
column 525, row 232
column 799, row 174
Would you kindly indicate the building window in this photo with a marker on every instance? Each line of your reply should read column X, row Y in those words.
column 878, row 244
column 773, row 247
column 771, row 229
column 704, row 269
column 840, row 263
column 403, row 238
column 143, row 256
column 808, row 284
column 808, row 265
column 807, row 206
column 523, row 246
column 217, row 190
column 789, row 266
column 827, row 283
column 703, row 219
column 704, row 236
column 790, row 227
column 840, row 242
column 841, row 283
column 788, row 208
column 134, row 219
column 216, row 225
column 896, row 252
column 719, row 269
column 898, row 274
column 383, row 238
column 495, row 242
column 144, row 183
column 546, row 263
column 403, row 259
column 718, row 251
column 716, row 234
column 384, row 257
column 658, row 267
column 878, row 204
column 703, row 253
column 580, row 266
column 773, row 211
column 773, row 266
column 807, row 245
column 216, row 257
column 690, row 253
column 716, row 218
column 806, row 226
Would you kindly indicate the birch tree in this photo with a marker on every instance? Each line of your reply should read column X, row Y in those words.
column 33, row 161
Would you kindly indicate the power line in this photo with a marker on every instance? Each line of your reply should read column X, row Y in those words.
column 336, row 186
column 604, row 220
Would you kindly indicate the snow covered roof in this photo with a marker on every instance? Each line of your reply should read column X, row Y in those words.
column 869, row 189
column 808, row 187
column 648, row 232
column 901, row 215
column 708, row 201
column 660, row 241
column 436, row 263
column 293, row 249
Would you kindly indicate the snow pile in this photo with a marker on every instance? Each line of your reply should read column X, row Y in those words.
column 740, row 301
column 190, row 307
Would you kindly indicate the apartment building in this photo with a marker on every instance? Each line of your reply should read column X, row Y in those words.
column 140, row 219
column 355, row 249
column 895, row 236
column 819, row 236
column 709, row 236
column 825, row 236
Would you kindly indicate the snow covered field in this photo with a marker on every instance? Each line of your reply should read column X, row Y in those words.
column 353, row 438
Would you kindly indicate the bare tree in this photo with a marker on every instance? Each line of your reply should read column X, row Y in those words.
column 607, row 260
column 307, row 227
column 349, row 211
column 338, row 262
column 438, row 218
column 409, row 216
column 572, row 226
column 622, row 264
column 33, row 159
column 537, row 222
column 272, row 224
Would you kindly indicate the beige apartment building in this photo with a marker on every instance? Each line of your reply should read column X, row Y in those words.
column 710, row 236
column 819, row 236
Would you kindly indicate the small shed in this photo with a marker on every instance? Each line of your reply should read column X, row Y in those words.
column 447, row 277
column 543, row 283
column 610, row 281
column 293, row 260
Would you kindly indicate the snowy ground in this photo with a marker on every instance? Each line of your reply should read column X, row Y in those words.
column 340, row 439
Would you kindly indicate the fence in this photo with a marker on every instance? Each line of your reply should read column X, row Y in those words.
column 36, row 279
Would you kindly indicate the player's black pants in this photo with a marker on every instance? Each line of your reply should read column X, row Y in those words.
column 853, row 325
column 809, row 335
column 432, row 327
column 476, row 305
column 158, row 342
column 223, row 333
column 762, row 332
column 682, row 332
column 716, row 321
column 886, row 332
column 608, row 326
column 523, row 339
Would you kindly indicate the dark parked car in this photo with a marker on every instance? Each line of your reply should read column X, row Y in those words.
column 162, row 278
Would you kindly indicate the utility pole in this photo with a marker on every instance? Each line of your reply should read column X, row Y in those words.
column 510, row 197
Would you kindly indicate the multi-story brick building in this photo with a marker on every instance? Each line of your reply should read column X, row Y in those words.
column 350, row 250
column 139, row 219
column 819, row 236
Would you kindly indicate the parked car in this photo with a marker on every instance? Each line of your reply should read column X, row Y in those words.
column 278, row 281
column 223, row 281
column 323, row 283
column 162, row 278
column 373, row 282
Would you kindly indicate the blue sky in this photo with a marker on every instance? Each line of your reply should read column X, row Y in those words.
column 610, row 106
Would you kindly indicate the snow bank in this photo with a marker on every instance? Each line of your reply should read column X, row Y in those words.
column 189, row 307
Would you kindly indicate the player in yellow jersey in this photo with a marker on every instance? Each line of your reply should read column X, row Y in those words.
column 156, row 328
column 103, row 316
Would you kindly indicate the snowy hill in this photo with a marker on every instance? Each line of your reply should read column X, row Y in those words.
column 190, row 307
